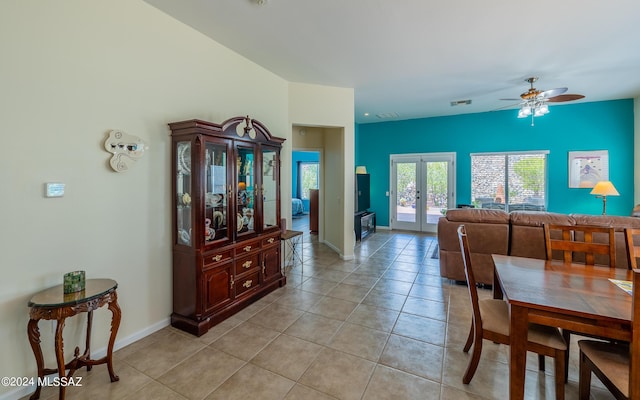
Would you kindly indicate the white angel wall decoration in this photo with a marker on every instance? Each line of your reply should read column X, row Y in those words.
column 126, row 149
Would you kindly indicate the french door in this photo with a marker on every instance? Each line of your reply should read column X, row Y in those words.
column 422, row 188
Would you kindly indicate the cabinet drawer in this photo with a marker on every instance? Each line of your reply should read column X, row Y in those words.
column 246, row 247
column 271, row 240
column 248, row 263
column 214, row 258
column 247, row 282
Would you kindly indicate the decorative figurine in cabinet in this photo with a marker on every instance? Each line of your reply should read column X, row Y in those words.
column 226, row 237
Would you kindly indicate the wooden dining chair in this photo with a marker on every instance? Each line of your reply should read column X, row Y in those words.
column 490, row 321
column 616, row 365
column 578, row 239
column 633, row 250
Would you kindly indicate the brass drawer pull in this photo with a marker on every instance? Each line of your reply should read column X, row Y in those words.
column 271, row 240
column 247, row 248
column 217, row 257
column 232, row 283
column 247, row 264
column 247, row 284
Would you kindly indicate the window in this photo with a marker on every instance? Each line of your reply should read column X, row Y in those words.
column 509, row 181
column 307, row 178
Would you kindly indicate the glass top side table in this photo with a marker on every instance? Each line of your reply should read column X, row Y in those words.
column 294, row 241
column 53, row 304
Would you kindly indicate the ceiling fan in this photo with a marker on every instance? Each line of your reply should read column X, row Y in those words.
column 533, row 102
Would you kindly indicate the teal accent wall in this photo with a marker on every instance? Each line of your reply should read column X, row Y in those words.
column 604, row 125
column 296, row 156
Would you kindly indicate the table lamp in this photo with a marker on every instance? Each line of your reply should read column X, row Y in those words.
column 604, row 189
column 361, row 169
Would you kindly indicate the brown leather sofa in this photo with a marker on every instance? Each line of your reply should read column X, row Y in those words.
column 518, row 233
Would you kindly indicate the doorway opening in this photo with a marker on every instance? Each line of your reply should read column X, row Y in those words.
column 305, row 177
column 422, row 188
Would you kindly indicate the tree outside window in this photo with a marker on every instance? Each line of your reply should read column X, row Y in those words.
column 308, row 176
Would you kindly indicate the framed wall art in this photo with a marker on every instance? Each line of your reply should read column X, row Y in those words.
column 586, row 168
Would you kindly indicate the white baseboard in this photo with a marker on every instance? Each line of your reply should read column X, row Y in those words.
column 99, row 353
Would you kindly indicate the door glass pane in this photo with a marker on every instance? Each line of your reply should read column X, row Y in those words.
column 269, row 188
column 216, row 198
column 183, row 193
column 246, row 185
column 406, row 192
column 437, row 190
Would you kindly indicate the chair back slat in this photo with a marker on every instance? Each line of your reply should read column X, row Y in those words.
column 468, row 271
column 633, row 250
column 579, row 239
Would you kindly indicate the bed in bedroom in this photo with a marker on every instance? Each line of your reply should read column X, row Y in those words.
column 296, row 207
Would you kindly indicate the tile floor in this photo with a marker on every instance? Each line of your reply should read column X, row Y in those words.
column 382, row 326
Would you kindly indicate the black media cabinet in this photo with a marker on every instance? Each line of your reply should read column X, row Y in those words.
column 364, row 224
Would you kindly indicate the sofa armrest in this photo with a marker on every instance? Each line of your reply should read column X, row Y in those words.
column 485, row 238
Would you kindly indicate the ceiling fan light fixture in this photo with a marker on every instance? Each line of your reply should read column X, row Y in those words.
column 534, row 101
column 544, row 109
column 525, row 111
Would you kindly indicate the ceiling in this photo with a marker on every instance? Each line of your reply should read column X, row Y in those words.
column 412, row 58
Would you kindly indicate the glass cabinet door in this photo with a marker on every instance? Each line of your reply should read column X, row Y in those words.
column 216, row 196
column 245, row 202
column 183, row 193
column 269, row 188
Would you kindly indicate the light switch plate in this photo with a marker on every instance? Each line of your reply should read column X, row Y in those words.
column 54, row 189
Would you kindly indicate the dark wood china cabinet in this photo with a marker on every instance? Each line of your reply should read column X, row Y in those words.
column 226, row 213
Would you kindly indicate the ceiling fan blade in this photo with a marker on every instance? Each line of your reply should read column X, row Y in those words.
column 553, row 92
column 507, row 106
column 511, row 99
column 565, row 97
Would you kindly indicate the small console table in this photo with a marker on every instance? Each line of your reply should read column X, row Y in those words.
column 294, row 241
column 364, row 224
column 53, row 304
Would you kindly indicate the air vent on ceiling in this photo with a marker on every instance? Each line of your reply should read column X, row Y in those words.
column 387, row 115
column 460, row 103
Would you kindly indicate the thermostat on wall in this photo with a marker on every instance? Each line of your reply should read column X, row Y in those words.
column 54, row 189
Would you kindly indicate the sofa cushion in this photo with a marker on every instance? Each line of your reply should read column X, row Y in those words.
column 527, row 235
column 616, row 222
column 477, row 215
column 539, row 218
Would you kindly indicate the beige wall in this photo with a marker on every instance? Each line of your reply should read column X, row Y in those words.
column 312, row 138
column 332, row 109
column 70, row 72
column 636, row 150
column 334, row 195
column 73, row 70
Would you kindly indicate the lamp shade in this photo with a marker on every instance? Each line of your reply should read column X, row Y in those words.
column 361, row 169
column 605, row 188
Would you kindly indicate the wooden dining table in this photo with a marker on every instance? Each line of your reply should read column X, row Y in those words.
column 565, row 295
